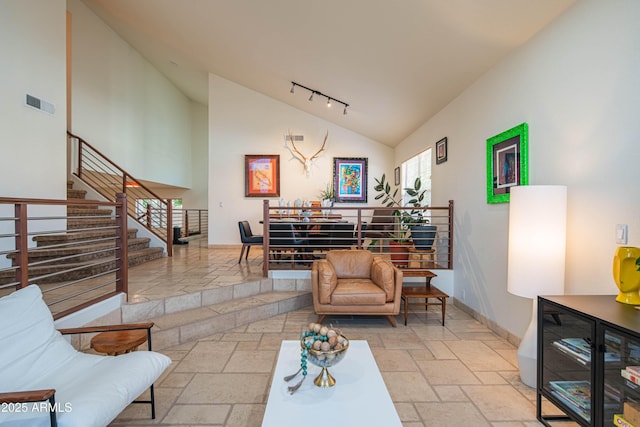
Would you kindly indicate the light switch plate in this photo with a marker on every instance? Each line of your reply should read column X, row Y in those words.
column 621, row 234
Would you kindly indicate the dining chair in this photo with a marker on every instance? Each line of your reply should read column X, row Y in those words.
column 381, row 227
column 248, row 239
column 283, row 237
column 342, row 235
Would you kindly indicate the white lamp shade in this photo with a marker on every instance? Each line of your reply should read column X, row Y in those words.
column 537, row 240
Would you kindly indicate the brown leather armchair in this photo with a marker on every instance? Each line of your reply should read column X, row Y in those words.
column 355, row 282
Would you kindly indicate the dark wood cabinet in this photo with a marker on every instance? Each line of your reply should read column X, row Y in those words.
column 588, row 346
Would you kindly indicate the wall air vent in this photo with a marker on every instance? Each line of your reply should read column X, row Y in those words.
column 296, row 138
column 39, row 104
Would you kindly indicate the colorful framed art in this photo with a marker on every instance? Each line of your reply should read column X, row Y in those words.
column 262, row 175
column 507, row 162
column 350, row 179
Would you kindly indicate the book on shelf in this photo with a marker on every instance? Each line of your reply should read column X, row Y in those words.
column 611, row 393
column 633, row 370
column 618, row 420
column 580, row 349
column 584, row 413
column 579, row 353
column 578, row 392
column 629, row 376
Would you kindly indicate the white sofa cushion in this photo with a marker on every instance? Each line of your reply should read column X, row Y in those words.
column 91, row 390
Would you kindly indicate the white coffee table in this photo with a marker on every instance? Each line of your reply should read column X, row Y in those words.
column 359, row 397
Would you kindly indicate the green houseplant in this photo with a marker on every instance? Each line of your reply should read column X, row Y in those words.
column 406, row 218
column 327, row 193
column 411, row 222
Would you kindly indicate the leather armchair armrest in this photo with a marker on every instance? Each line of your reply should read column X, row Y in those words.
column 384, row 276
column 323, row 280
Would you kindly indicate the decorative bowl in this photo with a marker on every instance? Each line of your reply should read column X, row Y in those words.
column 324, row 360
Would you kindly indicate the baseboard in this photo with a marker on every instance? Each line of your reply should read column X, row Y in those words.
column 497, row 329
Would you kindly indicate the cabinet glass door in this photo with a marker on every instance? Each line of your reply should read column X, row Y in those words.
column 567, row 358
column 621, row 378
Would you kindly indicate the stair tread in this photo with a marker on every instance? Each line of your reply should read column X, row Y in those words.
column 80, row 235
column 42, row 269
column 84, row 248
column 193, row 315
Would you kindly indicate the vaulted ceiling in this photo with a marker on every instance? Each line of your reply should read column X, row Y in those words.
column 395, row 62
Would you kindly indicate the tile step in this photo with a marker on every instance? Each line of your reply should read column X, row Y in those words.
column 188, row 325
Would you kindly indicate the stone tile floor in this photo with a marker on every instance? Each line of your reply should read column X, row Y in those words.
column 461, row 374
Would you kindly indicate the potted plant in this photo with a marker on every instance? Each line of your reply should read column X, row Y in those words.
column 412, row 223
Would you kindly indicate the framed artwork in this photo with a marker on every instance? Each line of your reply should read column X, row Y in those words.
column 262, row 175
column 507, row 162
column 396, row 175
column 350, row 179
column 441, row 151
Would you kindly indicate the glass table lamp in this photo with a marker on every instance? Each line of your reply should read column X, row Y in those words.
column 537, row 242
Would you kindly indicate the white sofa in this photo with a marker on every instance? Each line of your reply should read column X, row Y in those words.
column 90, row 390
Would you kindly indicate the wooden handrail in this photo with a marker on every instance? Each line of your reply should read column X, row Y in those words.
column 167, row 237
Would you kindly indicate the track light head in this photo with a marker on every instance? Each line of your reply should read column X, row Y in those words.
column 344, row 112
column 328, row 102
column 293, row 86
column 311, row 97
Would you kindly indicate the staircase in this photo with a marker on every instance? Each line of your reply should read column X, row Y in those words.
column 76, row 253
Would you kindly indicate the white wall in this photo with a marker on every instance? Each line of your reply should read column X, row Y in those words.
column 576, row 84
column 126, row 108
column 196, row 196
column 33, row 143
column 241, row 122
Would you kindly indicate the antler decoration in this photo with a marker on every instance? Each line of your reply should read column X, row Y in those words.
column 307, row 161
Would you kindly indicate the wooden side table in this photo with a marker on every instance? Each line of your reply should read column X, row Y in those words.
column 114, row 343
column 425, row 292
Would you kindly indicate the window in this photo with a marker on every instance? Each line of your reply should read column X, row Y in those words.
column 418, row 166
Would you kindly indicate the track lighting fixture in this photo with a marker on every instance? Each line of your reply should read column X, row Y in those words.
column 315, row 92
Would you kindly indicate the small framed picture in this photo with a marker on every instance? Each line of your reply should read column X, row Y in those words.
column 262, row 175
column 441, row 151
column 507, row 162
column 396, row 175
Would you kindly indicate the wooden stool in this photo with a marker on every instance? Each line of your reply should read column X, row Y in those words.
column 114, row 343
column 425, row 292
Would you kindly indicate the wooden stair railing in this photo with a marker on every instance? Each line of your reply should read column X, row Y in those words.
column 107, row 178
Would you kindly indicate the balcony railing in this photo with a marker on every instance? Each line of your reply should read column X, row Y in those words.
column 295, row 236
column 191, row 221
